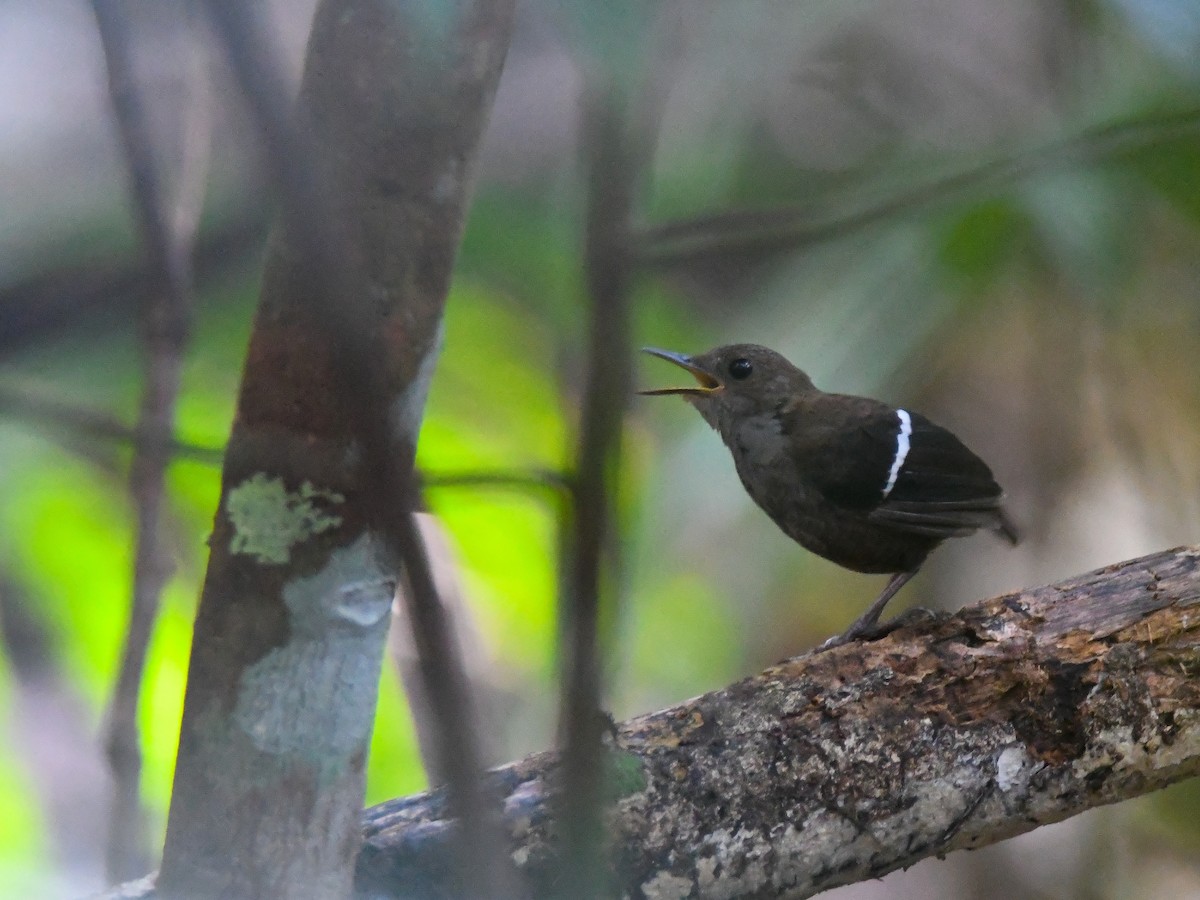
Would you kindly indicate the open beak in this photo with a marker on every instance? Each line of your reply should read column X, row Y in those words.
column 705, row 382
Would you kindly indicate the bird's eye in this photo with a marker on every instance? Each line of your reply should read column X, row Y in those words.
column 740, row 368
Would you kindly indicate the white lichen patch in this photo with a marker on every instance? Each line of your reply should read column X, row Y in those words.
column 1119, row 748
column 352, row 590
column 1010, row 765
column 1007, row 630
column 706, row 873
column 954, row 802
column 741, row 851
column 314, row 697
column 268, row 520
column 824, row 841
column 790, row 845
column 666, row 886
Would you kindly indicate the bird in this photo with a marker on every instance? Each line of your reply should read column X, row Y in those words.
column 871, row 487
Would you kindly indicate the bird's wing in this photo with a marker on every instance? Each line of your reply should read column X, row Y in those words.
column 899, row 469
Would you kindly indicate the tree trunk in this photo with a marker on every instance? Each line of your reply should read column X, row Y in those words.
column 293, row 619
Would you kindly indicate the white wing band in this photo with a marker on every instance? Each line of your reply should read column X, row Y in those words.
column 902, row 445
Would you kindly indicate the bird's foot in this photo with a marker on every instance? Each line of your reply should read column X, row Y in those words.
column 852, row 634
column 838, row 640
column 865, row 630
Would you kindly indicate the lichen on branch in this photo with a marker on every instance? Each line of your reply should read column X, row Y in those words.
column 953, row 731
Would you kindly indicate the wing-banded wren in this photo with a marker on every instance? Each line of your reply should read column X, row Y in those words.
column 865, row 485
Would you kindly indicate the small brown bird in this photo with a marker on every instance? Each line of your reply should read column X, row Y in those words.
column 867, row 486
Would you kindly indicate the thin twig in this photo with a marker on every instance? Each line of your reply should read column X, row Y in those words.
column 608, row 269
column 764, row 231
column 31, row 405
column 515, row 479
column 38, row 307
column 88, row 434
column 165, row 324
column 314, row 223
column 619, row 135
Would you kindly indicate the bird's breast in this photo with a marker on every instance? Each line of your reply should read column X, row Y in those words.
column 758, row 442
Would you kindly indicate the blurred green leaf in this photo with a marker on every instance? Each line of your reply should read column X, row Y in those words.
column 976, row 244
column 162, row 692
column 523, row 244
column 22, row 831
column 395, row 766
column 23, row 851
column 494, row 404
column 494, row 399
column 69, row 534
column 1171, row 168
column 507, row 547
column 683, row 639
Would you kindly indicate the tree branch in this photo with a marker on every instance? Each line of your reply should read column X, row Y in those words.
column 789, row 227
column 534, row 479
column 954, row 731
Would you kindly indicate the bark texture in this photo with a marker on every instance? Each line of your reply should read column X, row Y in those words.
column 294, row 614
column 838, row 766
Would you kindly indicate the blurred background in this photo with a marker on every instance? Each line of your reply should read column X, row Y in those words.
column 988, row 212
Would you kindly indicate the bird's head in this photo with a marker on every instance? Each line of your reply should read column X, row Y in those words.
column 735, row 382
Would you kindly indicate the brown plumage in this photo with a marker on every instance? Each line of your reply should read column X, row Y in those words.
column 863, row 484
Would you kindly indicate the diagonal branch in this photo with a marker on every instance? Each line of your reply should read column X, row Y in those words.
column 954, row 731
column 783, row 228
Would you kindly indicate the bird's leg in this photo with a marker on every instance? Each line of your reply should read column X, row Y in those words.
column 865, row 623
